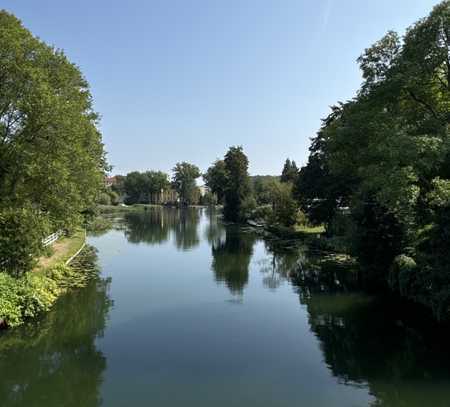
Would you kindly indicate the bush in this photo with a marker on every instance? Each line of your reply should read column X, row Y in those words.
column 10, row 307
column 262, row 213
column 99, row 225
column 402, row 275
column 34, row 293
column 104, row 199
column 37, row 293
column 114, row 197
column 22, row 230
column 248, row 205
column 284, row 205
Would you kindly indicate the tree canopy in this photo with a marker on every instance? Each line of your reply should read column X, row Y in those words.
column 385, row 154
column 237, row 191
column 52, row 161
column 290, row 171
column 183, row 181
column 216, row 179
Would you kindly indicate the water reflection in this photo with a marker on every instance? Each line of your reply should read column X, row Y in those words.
column 391, row 349
column 231, row 258
column 155, row 225
column 402, row 356
column 55, row 361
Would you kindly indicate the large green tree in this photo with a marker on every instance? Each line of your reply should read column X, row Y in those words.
column 389, row 149
column 216, row 179
column 183, row 181
column 237, row 192
column 289, row 172
column 52, row 161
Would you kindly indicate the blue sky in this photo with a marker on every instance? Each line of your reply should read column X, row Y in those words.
column 182, row 80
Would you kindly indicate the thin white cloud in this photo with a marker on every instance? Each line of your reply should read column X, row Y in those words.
column 326, row 14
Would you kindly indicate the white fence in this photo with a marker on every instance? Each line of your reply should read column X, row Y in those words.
column 52, row 238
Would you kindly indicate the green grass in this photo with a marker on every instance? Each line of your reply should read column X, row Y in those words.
column 63, row 249
column 310, row 229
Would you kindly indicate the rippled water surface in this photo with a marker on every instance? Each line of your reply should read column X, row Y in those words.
column 190, row 312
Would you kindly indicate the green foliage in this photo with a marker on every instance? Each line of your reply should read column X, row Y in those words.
column 52, row 161
column 216, row 179
column 34, row 293
column 290, row 172
column 402, row 274
column 263, row 213
column 37, row 294
column 385, row 155
column 284, row 205
column 237, row 191
column 208, row 199
column 21, row 234
column 183, row 181
column 262, row 186
column 248, row 206
column 138, row 187
column 10, row 301
column 104, row 199
column 99, row 225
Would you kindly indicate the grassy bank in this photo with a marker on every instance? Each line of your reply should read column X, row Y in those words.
column 36, row 292
column 62, row 250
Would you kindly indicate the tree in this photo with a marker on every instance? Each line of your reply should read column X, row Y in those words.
column 140, row 187
column 183, row 181
column 262, row 188
column 154, row 182
column 134, row 187
column 385, row 154
column 290, row 172
column 238, row 184
column 216, row 179
column 284, row 205
column 52, row 161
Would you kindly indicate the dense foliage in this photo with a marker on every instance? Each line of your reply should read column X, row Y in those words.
column 386, row 155
column 238, row 201
column 216, row 179
column 33, row 293
column 139, row 186
column 289, row 172
column 183, row 181
column 52, row 160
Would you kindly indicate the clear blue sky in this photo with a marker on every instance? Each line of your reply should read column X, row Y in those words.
column 182, row 80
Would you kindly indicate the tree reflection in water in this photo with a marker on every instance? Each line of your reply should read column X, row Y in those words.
column 231, row 258
column 393, row 348
column 55, row 361
column 155, row 225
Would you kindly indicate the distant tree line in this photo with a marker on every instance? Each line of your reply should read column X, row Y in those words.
column 139, row 187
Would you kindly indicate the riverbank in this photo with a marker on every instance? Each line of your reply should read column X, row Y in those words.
column 35, row 292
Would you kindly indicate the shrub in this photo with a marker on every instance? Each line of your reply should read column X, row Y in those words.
column 104, row 199
column 34, row 293
column 262, row 213
column 37, row 293
column 248, row 205
column 402, row 274
column 284, row 205
column 10, row 309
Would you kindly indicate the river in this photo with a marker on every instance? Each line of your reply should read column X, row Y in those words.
column 189, row 311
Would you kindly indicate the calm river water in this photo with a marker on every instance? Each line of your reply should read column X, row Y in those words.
column 190, row 312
